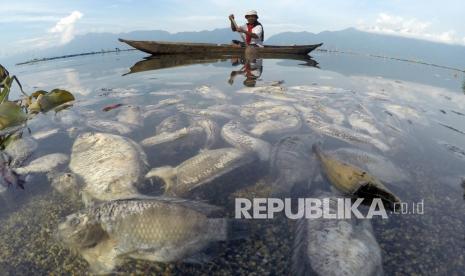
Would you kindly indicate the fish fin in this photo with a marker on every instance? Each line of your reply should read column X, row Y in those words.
column 198, row 258
column 102, row 258
column 166, row 173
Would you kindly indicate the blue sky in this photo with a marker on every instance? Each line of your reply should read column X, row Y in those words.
column 28, row 25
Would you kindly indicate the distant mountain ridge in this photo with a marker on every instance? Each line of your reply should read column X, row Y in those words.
column 348, row 40
column 355, row 40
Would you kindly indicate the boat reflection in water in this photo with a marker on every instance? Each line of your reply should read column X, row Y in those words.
column 251, row 67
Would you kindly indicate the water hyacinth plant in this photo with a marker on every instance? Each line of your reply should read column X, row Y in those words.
column 15, row 113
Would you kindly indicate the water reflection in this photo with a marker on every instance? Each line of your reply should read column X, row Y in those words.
column 250, row 67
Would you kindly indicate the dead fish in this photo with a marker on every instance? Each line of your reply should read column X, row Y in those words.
column 172, row 123
column 235, row 135
column 209, row 92
column 131, row 115
column 109, row 126
column 360, row 121
column 39, row 135
column 166, row 137
column 335, row 115
column 267, row 89
column 249, row 110
column 200, row 170
column 352, row 180
column 345, row 134
column 155, row 229
column 335, row 246
column 20, row 149
column 292, row 162
column 278, row 119
column 65, row 183
column 284, row 125
column 206, row 112
column 375, row 164
column 43, row 164
column 109, row 165
column 211, row 130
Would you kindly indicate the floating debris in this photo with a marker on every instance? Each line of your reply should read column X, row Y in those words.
column 111, row 107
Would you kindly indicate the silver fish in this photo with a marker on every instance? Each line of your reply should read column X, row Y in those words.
column 110, row 126
column 20, row 149
column 292, row 162
column 342, row 133
column 200, row 170
column 156, row 229
column 166, row 137
column 335, row 246
column 276, row 120
column 39, row 135
column 284, row 125
column 65, row 183
column 43, row 164
column 172, row 123
column 110, row 165
column 234, row 134
column 211, row 130
column 360, row 121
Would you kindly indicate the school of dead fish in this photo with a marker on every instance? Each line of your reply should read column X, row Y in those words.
column 282, row 128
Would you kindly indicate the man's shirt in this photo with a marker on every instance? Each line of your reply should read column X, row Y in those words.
column 258, row 30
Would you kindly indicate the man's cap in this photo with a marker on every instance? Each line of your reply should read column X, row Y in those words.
column 252, row 12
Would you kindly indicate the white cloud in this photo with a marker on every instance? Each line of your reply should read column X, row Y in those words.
column 65, row 27
column 409, row 27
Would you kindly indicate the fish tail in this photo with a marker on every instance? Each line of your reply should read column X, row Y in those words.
column 300, row 264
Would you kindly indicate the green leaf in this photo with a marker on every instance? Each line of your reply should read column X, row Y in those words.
column 54, row 98
column 11, row 115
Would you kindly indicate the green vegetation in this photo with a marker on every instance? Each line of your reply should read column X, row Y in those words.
column 14, row 114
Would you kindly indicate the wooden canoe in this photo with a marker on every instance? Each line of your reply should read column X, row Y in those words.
column 163, row 48
column 170, row 60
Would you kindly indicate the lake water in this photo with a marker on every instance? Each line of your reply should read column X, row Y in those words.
column 413, row 118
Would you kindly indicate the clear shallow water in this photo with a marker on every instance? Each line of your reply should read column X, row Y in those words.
column 418, row 110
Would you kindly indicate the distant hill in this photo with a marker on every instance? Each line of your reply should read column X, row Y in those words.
column 363, row 42
column 348, row 40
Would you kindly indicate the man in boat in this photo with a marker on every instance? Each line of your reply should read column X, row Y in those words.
column 253, row 30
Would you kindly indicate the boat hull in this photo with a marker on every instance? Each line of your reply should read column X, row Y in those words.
column 163, row 48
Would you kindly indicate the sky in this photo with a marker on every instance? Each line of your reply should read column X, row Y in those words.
column 36, row 24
